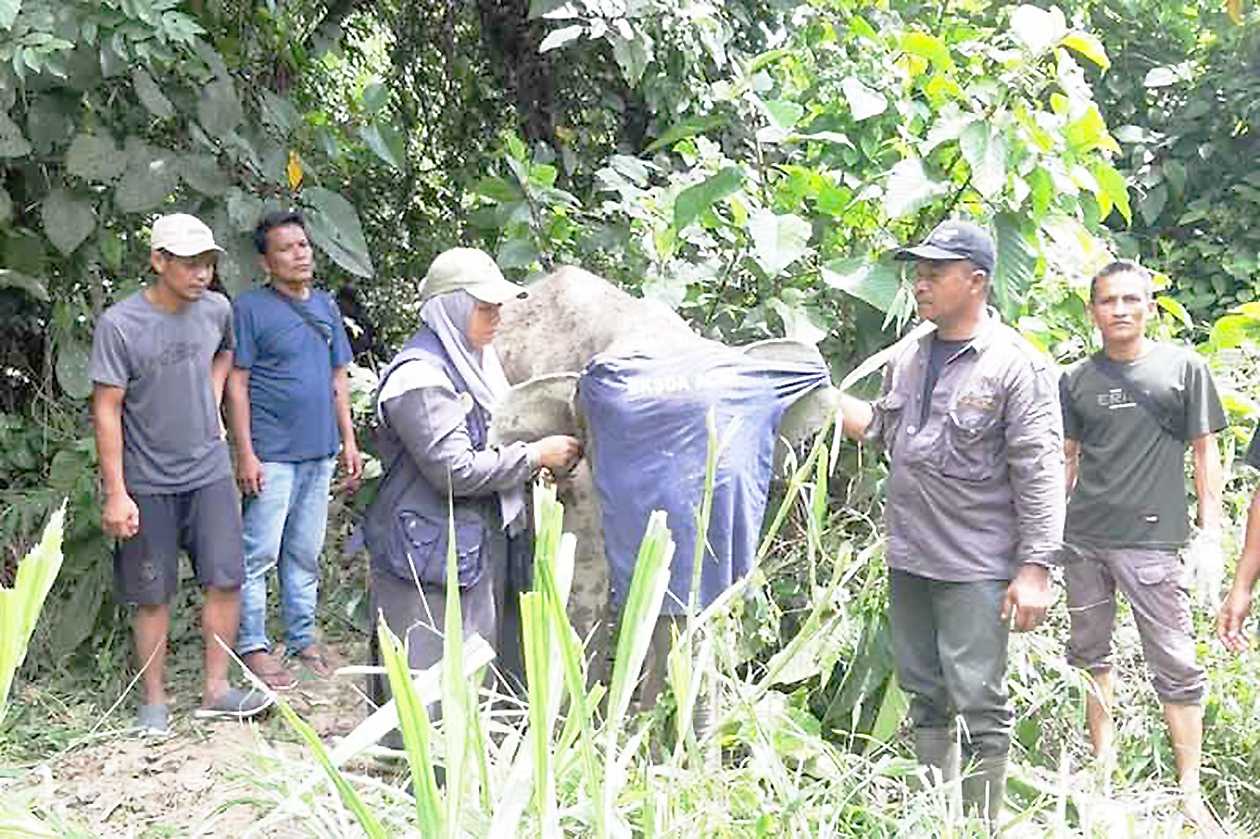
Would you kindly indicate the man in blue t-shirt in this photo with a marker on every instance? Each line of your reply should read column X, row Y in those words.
column 290, row 411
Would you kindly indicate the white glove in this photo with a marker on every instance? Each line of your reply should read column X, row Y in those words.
column 1205, row 559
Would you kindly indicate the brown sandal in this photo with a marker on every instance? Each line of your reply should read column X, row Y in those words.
column 272, row 673
column 317, row 660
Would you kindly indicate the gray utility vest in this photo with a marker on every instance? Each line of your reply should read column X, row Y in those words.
column 408, row 524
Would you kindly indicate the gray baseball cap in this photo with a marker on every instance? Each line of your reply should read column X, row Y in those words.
column 471, row 270
column 955, row 239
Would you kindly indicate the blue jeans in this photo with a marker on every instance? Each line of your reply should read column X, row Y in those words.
column 284, row 529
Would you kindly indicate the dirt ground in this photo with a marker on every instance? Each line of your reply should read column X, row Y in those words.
column 193, row 783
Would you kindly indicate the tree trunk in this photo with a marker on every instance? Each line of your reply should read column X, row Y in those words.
column 512, row 40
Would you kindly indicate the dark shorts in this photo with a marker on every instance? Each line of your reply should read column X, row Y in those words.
column 205, row 522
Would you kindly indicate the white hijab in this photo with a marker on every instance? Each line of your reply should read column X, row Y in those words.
column 448, row 316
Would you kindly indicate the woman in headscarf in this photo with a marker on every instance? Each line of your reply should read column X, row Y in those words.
column 434, row 407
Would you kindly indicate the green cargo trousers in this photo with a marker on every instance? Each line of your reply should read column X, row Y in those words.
column 950, row 649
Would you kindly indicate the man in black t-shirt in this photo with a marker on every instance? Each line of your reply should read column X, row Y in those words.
column 1129, row 414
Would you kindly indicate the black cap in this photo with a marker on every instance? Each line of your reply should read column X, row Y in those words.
column 955, row 239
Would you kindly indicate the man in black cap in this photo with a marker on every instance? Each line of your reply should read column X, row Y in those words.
column 969, row 419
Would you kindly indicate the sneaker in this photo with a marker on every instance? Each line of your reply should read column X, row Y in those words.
column 235, row 704
column 272, row 673
column 153, row 721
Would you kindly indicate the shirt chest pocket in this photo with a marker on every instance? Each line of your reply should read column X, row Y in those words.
column 973, row 434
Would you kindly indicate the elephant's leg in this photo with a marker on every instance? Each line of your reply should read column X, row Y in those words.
column 588, row 598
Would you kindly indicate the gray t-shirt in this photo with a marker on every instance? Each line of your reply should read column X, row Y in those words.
column 1130, row 486
column 172, row 437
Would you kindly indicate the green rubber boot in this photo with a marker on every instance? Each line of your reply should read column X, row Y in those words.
column 937, row 749
column 983, row 788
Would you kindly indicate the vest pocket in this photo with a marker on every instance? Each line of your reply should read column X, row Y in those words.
column 424, row 541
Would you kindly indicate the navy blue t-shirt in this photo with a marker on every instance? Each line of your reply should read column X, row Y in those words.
column 292, row 417
column 647, row 417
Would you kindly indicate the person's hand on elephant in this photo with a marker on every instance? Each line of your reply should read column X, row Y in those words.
column 559, row 452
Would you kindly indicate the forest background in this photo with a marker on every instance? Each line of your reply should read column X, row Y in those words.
column 749, row 163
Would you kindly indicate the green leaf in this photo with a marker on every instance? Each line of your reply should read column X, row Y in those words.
column 694, row 200
column 557, row 38
column 892, row 709
column 23, row 282
column 874, row 283
column 929, row 47
column 778, row 241
column 111, row 247
column 219, row 110
column 784, row 114
column 799, row 323
column 985, row 152
column 1042, row 187
column 1173, row 306
column 149, row 179
column 1111, row 184
column 864, row 102
column 8, row 12
column 1089, row 46
column 682, row 130
column 202, row 173
column 335, row 228
column 150, row 95
column 375, row 97
column 497, row 189
column 385, row 142
column 12, row 143
column 1089, row 132
column 67, row 220
column 633, row 56
column 1016, row 262
column 243, row 209
column 278, row 112
column 909, row 188
column 95, row 158
column 1152, row 204
column 1175, row 174
column 49, row 123
column 517, row 253
column 72, row 369
column 80, row 611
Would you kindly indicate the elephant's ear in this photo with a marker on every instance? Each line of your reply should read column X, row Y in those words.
column 807, row 414
column 536, row 408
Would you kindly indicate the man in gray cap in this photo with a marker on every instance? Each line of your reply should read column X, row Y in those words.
column 969, row 419
column 159, row 361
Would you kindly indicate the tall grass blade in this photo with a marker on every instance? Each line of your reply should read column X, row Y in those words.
column 20, row 606
column 458, row 700
column 534, row 628
column 417, row 733
column 638, row 620
column 349, row 796
column 570, row 648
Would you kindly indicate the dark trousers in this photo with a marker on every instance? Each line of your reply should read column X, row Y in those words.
column 950, row 650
